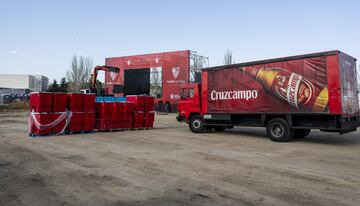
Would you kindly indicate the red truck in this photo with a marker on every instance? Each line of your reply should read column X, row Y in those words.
column 158, row 74
column 289, row 96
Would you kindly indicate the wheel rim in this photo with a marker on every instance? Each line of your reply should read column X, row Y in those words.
column 197, row 124
column 277, row 130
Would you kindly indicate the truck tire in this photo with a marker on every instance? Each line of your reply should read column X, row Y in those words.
column 196, row 124
column 279, row 130
column 218, row 128
column 301, row 133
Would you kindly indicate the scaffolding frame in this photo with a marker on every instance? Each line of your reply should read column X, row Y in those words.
column 196, row 63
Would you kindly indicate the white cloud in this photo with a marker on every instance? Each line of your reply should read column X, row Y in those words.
column 13, row 52
column 107, row 23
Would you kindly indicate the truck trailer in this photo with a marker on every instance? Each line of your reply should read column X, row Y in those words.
column 289, row 96
column 158, row 74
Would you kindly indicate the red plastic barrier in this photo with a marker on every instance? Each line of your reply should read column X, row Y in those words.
column 41, row 101
column 75, row 102
column 89, row 103
column 59, row 102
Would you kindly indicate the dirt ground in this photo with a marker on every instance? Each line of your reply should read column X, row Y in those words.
column 169, row 165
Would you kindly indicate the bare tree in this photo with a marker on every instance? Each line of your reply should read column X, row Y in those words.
column 358, row 80
column 156, row 81
column 228, row 57
column 79, row 73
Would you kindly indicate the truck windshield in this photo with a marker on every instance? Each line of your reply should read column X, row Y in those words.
column 187, row 93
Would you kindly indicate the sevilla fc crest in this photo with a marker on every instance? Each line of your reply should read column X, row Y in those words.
column 175, row 71
column 113, row 75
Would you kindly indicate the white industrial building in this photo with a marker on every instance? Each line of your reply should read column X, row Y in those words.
column 18, row 84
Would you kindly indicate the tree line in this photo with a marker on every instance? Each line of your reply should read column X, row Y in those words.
column 78, row 77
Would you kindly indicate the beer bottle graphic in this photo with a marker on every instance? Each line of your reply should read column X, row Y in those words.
column 290, row 87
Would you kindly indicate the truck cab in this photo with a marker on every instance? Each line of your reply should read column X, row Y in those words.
column 190, row 102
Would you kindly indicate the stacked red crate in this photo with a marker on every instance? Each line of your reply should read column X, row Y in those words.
column 89, row 112
column 41, row 101
column 119, row 116
column 104, row 115
column 43, row 119
column 59, row 120
column 139, row 103
column 149, row 119
column 138, row 100
column 128, row 115
column 88, row 121
column 76, row 122
column 75, row 104
column 149, row 103
column 149, row 113
column 48, row 114
column 138, row 121
column 89, row 102
column 59, row 102
column 129, row 109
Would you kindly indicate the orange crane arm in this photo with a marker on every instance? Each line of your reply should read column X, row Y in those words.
column 102, row 68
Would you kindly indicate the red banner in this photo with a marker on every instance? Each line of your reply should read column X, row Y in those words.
column 287, row 86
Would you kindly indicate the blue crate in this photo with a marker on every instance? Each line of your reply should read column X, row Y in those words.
column 109, row 99
column 120, row 99
column 99, row 99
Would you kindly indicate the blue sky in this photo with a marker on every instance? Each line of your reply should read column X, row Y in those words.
column 40, row 37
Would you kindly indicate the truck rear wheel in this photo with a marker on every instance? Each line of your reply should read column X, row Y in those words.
column 301, row 133
column 279, row 130
column 196, row 124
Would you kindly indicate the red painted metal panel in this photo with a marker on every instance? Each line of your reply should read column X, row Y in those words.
column 175, row 67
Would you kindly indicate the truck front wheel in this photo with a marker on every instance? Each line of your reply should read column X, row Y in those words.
column 279, row 130
column 196, row 124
